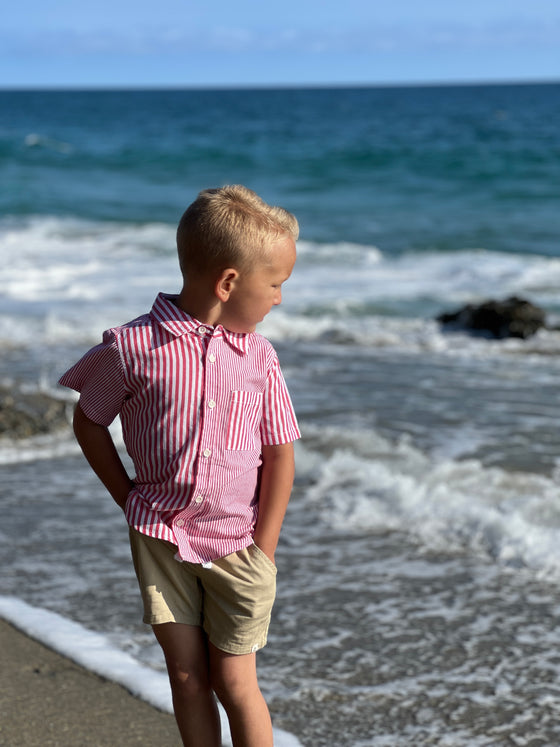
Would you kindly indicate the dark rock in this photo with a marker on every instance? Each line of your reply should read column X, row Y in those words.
column 513, row 317
column 28, row 414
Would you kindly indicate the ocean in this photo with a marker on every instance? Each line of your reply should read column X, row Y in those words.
column 419, row 565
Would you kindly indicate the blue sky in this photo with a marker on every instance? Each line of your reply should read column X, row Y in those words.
column 250, row 42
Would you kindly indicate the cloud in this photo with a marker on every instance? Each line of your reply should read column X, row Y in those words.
column 373, row 38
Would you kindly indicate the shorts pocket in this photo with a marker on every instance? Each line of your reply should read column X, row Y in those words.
column 264, row 557
column 245, row 416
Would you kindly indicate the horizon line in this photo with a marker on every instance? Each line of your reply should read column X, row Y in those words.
column 93, row 87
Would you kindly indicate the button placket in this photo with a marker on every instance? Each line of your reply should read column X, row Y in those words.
column 208, row 423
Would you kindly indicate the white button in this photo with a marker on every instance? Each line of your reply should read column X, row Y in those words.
column 207, row 565
column 198, row 499
column 212, row 358
column 206, row 452
column 202, row 330
column 211, row 404
column 180, row 522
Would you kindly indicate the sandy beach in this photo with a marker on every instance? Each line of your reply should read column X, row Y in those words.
column 46, row 699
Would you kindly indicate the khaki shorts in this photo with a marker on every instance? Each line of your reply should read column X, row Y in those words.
column 232, row 600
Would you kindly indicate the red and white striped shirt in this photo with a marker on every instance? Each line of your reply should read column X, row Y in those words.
column 196, row 405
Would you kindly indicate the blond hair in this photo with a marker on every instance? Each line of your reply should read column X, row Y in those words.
column 230, row 227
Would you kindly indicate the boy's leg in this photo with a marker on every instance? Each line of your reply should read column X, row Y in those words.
column 186, row 656
column 234, row 679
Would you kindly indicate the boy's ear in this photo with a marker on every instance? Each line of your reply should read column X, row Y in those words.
column 225, row 282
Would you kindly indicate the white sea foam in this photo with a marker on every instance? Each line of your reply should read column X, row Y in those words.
column 65, row 280
column 367, row 482
column 49, row 445
column 409, row 334
column 37, row 448
column 98, row 654
column 450, row 277
column 91, row 650
column 36, row 140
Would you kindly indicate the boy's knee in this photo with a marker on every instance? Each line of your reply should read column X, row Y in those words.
column 188, row 683
column 233, row 687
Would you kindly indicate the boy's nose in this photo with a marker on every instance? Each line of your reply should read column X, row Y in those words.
column 278, row 297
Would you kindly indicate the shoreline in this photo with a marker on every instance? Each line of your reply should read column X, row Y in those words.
column 47, row 700
column 62, row 685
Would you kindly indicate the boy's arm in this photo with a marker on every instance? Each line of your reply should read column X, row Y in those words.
column 277, row 479
column 98, row 447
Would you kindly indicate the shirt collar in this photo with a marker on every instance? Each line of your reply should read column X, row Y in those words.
column 178, row 323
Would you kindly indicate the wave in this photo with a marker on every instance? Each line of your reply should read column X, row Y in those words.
column 360, row 481
column 36, row 140
column 65, row 280
column 38, row 448
column 347, row 273
column 409, row 336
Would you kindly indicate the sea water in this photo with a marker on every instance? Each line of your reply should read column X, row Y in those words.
column 419, row 565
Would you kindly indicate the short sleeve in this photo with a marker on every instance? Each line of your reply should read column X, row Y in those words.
column 279, row 422
column 99, row 377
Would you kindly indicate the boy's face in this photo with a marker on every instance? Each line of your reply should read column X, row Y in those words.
column 257, row 291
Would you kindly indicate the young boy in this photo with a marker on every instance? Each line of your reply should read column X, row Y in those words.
column 209, row 425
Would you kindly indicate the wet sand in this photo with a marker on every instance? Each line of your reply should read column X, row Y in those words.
column 47, row 700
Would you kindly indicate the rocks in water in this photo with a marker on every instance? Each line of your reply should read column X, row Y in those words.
column 25, row 414
column 513, row 317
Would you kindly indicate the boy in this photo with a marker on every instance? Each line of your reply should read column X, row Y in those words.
column 209, row 425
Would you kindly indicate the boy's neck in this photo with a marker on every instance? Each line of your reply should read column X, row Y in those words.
column 198, row 303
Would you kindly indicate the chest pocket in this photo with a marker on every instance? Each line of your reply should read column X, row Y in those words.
column 245, row 415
